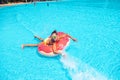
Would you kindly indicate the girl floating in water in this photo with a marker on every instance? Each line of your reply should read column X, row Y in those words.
column 50, row 41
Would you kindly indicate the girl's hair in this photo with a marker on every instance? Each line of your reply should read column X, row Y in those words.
column 54, row 32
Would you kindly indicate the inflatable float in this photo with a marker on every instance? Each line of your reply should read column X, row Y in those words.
column 47, row 50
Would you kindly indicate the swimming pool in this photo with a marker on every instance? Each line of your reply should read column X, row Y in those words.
column 96, row 55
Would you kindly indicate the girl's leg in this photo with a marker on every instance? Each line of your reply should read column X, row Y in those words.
column 29, row 45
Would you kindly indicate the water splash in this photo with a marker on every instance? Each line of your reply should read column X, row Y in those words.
column 79, row 70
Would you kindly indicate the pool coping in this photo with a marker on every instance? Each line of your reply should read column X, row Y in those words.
column 12, row 4
column 18, row 3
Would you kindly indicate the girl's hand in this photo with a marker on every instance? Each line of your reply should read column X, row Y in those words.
column 35, row 36
column 74, row 39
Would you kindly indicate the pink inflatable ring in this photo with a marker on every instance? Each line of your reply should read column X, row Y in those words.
column 60, row 45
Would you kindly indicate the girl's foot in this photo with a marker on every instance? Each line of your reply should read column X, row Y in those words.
column 22, row 46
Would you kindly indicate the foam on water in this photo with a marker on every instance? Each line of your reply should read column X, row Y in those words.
column 79, row 70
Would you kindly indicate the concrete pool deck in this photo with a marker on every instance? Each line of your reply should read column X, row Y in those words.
column 17, row 3
column 11, row 4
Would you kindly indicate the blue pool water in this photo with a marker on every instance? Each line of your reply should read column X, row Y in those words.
column 96, row 55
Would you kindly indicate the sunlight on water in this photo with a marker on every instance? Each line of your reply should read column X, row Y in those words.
column 79, row 70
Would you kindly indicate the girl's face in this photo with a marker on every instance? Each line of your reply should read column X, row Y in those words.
column 54, row 36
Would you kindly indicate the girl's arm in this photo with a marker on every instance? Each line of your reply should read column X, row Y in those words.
column 68, row 36
column 71, row 37
column 39, row 38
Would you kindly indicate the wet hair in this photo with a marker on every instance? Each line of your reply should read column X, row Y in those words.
column 54, row 32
